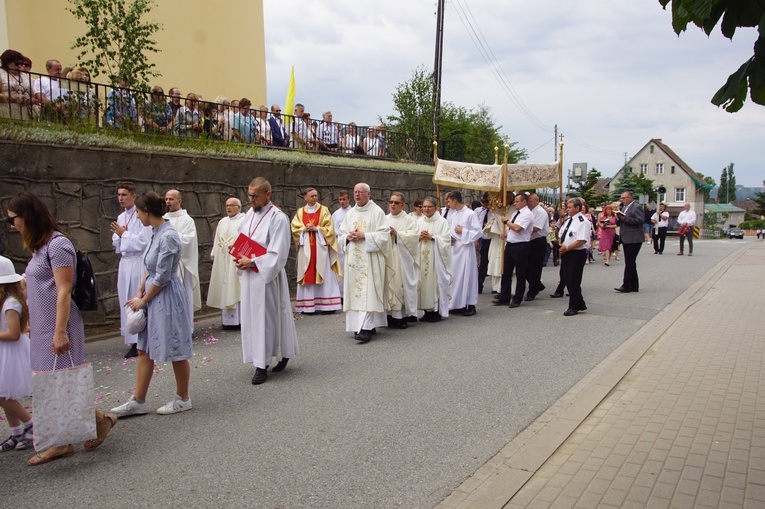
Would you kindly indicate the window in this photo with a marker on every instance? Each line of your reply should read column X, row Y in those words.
column 652, row 149
column 661, row 197
column 660, row 168
column 644, row 168
column 672, row 170
column 680, row 194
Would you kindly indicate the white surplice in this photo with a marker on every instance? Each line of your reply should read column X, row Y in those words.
column 404, row 263
column 268, row 326
column 188, row 269
column 130, row 247
column 223, row 292
column 464, row 261
column 337, row 220
column 435, row 261
column 365, row 299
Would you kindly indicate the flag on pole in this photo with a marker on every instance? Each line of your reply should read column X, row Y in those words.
column 289, row 103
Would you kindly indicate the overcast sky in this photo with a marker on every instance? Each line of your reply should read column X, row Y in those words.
column 611, row 74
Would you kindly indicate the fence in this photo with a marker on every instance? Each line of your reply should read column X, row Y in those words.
column 76, row 101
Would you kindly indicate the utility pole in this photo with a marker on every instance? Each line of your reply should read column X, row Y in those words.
column 437, row 68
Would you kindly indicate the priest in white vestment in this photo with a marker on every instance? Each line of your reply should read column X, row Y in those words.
column 268, row 326
column 465, row 230
column 129, row 238
column 344, row 200
column 188, row 269
column 223, row 292
column 318, row 264
column 403, row 263
column 435, row 261
column 365, row 237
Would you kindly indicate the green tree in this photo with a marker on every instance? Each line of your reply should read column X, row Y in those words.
column 635, row 182
column 465, row 134
column 586, row 189
column 734, row 14
column 760, row 199
column 117, row 41
column 726, row 193
column 706, row 180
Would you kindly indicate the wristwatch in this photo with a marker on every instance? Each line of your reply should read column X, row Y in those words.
column 252, row 262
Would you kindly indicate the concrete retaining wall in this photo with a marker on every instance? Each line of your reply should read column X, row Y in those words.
column 78, row 185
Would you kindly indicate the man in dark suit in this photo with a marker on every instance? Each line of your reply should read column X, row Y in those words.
column 278, row 133
column 631, row 234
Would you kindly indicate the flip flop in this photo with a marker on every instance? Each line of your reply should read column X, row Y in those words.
column 102, row 429
column 48, row 456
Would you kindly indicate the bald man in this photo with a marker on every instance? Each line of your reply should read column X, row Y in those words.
column 223, row 292
column 188, row 269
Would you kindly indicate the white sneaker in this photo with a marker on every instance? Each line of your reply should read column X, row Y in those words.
column 130, row 407
column 174, row 406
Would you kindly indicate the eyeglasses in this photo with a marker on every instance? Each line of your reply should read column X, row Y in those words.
column 418, row 206
column 394, row 202
column 10, row 219
column 252, row 196
column 428, row 207
column 277, row 111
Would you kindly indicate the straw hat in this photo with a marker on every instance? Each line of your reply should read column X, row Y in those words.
column 7, row 272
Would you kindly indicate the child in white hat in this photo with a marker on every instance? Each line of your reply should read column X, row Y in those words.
column 15, row 366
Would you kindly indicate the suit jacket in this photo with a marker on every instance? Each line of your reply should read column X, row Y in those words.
column 277, row 134
column 631, row 231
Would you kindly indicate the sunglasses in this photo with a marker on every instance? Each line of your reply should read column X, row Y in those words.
column 10, row 219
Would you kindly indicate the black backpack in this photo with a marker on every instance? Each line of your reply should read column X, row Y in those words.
column 85, row 289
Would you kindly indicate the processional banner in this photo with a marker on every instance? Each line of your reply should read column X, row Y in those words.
column 485, row 177
column 532, row 176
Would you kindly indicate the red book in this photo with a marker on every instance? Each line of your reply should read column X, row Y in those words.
column 245, row 247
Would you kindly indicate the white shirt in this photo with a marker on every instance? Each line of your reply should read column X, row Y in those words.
column 541, row 222
column 484, row 216
column 662, row 221
column 687, row 217
column 525, row 219
column 575, row 228
column 49, row 88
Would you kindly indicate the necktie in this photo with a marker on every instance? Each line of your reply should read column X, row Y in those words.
column 516, row 215
column 565, row 230
column 446, row 212
column 485, row 216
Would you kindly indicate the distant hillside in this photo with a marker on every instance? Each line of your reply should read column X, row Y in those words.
column 742, row 193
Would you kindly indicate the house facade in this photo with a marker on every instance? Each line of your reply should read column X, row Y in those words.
column 658, row 162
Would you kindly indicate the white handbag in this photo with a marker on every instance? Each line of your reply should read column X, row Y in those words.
column 62, row 401
column 136, row 320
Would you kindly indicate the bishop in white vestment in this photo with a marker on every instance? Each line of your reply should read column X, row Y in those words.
column 365, row 237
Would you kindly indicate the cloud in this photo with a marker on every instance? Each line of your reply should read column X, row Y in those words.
column 610, row 75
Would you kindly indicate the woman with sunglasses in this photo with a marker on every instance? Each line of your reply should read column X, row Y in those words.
column 15, row 85
column 57, row 333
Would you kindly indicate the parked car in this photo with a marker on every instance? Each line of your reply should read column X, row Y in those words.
column 736, row 232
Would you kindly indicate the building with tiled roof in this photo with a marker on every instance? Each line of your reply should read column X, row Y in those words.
column 661, row 164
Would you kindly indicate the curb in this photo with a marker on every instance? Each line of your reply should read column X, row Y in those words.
column 495, row 483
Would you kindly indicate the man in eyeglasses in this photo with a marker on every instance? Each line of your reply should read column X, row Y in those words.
column 279, row 135
column 223, row 292
column 268, row 327
column 404, row 262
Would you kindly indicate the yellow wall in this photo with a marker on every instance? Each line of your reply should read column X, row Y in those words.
column 205, row 46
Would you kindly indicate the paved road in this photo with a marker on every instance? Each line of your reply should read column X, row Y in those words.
column 399, row 422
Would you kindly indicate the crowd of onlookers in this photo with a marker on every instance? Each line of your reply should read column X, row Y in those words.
column 68, row 95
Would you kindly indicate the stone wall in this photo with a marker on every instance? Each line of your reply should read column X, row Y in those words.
column 78, row 185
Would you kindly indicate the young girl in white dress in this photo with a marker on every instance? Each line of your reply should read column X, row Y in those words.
column 15, row 366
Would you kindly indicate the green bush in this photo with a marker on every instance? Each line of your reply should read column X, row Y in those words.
column 752, row 225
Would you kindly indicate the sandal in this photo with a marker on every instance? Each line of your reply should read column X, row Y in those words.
column 54, row 453
column 9, row 444
column 103, row 427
